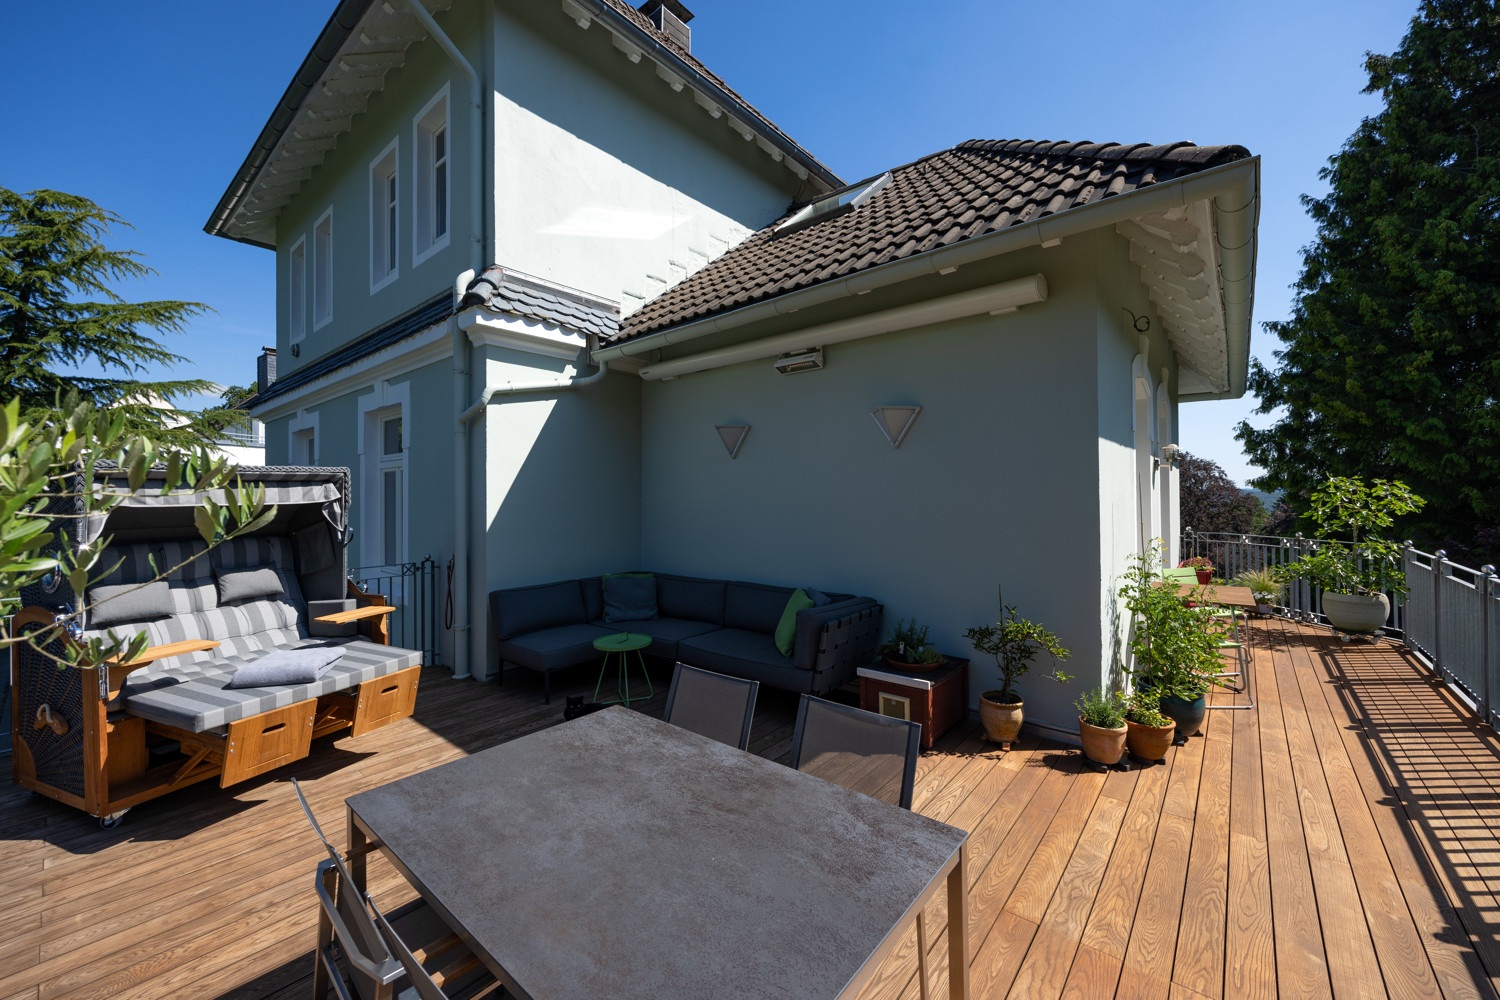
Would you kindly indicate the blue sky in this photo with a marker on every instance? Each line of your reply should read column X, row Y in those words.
column 148, row 108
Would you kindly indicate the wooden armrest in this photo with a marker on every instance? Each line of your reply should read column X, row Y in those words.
column 153, row 653
column 358, row 614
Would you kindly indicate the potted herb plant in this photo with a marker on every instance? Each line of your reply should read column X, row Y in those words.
column 1202, row 566
column 1356, row 577
column 1148, row 731
column 1014, row 642
column 1101, row 725
column 1175, row 645
column 908, row 648
column 1264, row 585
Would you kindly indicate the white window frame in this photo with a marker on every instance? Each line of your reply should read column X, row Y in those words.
column 381, row 403
column 296, row 290
column 385, row 216
column 423, row 202
column 323, row 244
column 302, row 428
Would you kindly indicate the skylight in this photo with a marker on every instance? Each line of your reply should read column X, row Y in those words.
column 836, row 203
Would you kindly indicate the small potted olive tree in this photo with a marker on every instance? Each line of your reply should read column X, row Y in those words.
column 1355, row 578
column 1014, row 642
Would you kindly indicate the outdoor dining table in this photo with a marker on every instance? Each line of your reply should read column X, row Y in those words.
column 619, row 856
column 1224, row 596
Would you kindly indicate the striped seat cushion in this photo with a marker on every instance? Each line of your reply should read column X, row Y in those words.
column 196, row 695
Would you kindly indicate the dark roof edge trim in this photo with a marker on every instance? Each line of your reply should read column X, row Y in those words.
column 411, row 322
column 713, row 89
column 335, row 33
column 1214, row 182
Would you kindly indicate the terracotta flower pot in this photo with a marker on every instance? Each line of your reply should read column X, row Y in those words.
column 1149, row 742
column 1105, row 746
column 1205, row 576
column 1002, row 720
column 915, row 668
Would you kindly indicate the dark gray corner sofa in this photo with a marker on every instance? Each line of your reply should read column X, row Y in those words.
column 721, row 625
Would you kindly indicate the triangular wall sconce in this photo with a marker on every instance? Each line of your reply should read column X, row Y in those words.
column 895, row 421
column 733, row 435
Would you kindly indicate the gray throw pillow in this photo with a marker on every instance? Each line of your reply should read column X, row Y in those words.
column 129, row 602
column 287, row 666
column 819, row 598
column 245, row 584
column 629, row 597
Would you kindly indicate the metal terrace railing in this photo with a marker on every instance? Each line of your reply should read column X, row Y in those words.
column 412, row 589
column 1450, row 615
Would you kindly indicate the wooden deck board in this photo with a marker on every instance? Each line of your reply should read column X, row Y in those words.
column 1342, row 839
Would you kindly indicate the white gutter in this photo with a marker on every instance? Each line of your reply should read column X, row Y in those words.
column 1235, row 187
column 1006, row 297
column 558, row 384
column 477, row 212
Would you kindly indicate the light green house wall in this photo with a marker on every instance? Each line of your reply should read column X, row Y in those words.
column 606, row 179
column 342, row 182
column 997, row 484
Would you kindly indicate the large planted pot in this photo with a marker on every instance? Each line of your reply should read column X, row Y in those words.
column 1148, row 742
column 1103, row 746
column 1002, row 720
column 1188, row 715
column 1356, row 612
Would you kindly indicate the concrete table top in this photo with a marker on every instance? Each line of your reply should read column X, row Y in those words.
column 618, row 856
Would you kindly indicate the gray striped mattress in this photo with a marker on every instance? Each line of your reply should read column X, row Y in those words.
column 196, row 695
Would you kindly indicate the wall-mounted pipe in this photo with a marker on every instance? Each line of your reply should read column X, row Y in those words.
column 559, row 384
column 1004, row 297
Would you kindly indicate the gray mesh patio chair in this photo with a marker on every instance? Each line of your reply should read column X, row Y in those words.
column 369, row 970
column 712, row 705
column 848, row 746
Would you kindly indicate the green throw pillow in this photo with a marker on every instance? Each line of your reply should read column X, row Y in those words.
column 786, row 629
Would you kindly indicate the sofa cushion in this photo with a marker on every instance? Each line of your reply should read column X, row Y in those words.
column 197, row 696
column 665, row 633
column 786, row 628
column 754, row 607
column 742, row 653
column 248, row 584
column 690, row 598
column 629, row 597
column 593, row 597
column 553, row 648
column 129, row 602
column 529, row 609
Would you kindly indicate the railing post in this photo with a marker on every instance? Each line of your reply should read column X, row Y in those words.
column 1486, row 587
column 1406, row 563
column 1438, row 558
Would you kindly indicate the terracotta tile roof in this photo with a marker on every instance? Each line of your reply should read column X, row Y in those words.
column 977, row 187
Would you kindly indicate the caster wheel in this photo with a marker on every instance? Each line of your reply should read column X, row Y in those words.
column 1344, row 638
column 113, row 820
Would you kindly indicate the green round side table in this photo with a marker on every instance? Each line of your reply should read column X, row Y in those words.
column 621, row 646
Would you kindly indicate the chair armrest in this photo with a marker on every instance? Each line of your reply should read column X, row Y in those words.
column 814, row 623
column 153, row 653
column 317, row 625
column 356, row 614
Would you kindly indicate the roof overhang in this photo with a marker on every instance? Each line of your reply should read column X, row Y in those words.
column 364, row 40
column 1193, row 239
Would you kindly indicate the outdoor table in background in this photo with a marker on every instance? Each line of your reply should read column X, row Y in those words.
column 618, row 856
column 1225, row 595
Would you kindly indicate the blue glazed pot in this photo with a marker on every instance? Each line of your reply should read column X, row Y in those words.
column 1187, row 714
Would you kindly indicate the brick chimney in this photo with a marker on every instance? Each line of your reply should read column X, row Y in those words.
column 670, row 18
column 265, row 369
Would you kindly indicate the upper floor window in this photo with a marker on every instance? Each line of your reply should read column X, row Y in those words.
column 323, row 270
column 383, row 206
column 296, row 266
column 431, row 181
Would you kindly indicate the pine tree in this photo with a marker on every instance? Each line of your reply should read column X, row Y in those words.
column 58, row 312
column 1391, row 360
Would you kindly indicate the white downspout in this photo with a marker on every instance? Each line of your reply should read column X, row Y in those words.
column 542, row 385
column 477, row 212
